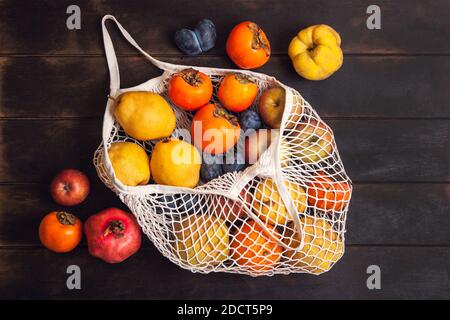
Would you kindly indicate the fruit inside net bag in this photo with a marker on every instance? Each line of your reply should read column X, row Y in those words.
column 285, row 213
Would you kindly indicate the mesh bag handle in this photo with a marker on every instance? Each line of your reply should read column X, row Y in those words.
column 278, row 176
column 267, row 163
column 111, row 57
column 114, row 76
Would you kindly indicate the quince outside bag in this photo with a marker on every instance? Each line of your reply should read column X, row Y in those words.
column 284, row 214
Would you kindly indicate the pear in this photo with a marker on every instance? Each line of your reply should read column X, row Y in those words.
column 145, row 115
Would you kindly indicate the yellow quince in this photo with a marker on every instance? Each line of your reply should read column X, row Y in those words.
column 202, row 240
column 315, row 52
column 322, row 245
column 268, row 204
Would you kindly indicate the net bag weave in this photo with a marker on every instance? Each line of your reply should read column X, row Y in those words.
column 284, row 214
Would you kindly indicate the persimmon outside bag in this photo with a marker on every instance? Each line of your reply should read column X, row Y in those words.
column 292, row 203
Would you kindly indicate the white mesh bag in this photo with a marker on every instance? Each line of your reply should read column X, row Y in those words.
column 285, row 213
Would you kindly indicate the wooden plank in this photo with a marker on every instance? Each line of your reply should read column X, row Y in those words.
column 406, row 273
column 393, row 214
column 42, row 28
column 380, row 214
column 35, row 150
column 394, row 150
column 372, row 150
column 412, row 87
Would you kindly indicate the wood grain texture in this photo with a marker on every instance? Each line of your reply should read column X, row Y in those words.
column 400, row 213
column 380, row 214
column 388, row 107
column 405, row 24
column 392, row 150
column 48, row 147
column 407, row 273
column 372, row 150
column 411, row 87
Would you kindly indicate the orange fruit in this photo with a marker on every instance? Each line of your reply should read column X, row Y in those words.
column 237, row 92
column 248, row 46
column 327, row 194
column 214, row 129
column 190, row 89
column 60, row 231
column 254, row 248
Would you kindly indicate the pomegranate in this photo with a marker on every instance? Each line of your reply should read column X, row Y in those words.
column 112, row 235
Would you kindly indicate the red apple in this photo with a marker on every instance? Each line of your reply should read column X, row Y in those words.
column 313, row 141
column 112, row 235
column 70, row 187
column 231, row 210
column 271, row 106
column 256, row 143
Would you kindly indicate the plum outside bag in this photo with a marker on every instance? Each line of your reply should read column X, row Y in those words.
column 284, row 214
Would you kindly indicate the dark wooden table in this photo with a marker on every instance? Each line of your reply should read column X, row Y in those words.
column 388, row 105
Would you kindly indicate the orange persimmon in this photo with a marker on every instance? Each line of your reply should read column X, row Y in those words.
column 237, row 92
column 60, row 231
column 327, row 194
column 248, row 46
column 254, row 248
column 214, row 130
column 190, row 89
